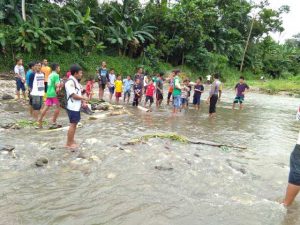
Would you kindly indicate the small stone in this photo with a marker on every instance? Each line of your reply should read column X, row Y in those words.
column 52, row 148
column 95, row 158
column 111, row 176
column 41, row 162
column 163, row 168
column 196, row 155
column 7, row 97
column 127, row 150
column 81, row 156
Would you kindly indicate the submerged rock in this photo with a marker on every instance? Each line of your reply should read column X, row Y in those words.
column 7, row 97
column 111, row 176
column 163, row 168
column 41, row 162
column 7, row 148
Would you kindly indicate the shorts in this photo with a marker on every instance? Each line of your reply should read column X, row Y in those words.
column 101, row 85
column 197, row 100
column 169, row 95
column 159, row 96
column 20, row 85
column 118, row 94
column 149, row 98
column 36, row 102
column 46, row 86
column 127, row 93
column 238, row 100
column 52, row 102
column 184, row 101
column 213, row 103
column 177, row 101
column 111, row 90
column 294, row 176
column 74, row 116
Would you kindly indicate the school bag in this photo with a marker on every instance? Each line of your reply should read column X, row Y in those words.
column 62, row 94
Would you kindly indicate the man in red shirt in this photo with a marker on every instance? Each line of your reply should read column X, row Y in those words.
column 150, row 93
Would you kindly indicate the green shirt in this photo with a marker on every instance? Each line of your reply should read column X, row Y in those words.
column 53, row 80
column 176, row 91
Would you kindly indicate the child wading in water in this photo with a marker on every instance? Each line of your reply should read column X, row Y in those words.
column 52, row 100
column 198, row 90
column 137, row 90
column 150, row 93
column 240, row 88
column 118, row 88
column 74, row 103
column 127, row 88
column 184, row 94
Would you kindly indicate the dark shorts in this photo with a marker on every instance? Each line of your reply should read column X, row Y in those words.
column 159, row 96
column 169, row 95
column 36, row 102
column 46, row 86
column 111, row 90
column 197, row 100
column 294, row 177
column 74, row 116
column 184, row 101
column 238, row 100
column 118, row 94
column 149, row 98
column 101, row 85
column 213, row 103
column 20, row 85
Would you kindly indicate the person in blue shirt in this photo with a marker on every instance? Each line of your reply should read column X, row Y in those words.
column 30, row 70
column 128, row 83
column 28, row 79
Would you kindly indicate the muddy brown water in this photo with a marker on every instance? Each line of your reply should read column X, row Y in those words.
column 160, row 182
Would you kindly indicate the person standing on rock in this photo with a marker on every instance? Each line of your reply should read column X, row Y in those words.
column 102, row 77
column 20, row 78
column 74, row 102
column 47, row 71
column 52, row 100
column 214, row 95
column 293, row 187
column 37, row 87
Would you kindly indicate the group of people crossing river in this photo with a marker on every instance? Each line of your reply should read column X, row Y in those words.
column 44, row 86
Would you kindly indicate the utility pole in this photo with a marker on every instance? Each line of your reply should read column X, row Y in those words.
column 23, row 10
column 247, row 44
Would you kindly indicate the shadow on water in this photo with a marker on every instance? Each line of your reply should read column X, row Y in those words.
column 159, row 181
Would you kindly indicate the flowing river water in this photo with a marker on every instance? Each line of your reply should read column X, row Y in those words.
column 159, row 182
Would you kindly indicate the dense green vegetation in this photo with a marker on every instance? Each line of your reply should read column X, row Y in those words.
column 205, row 36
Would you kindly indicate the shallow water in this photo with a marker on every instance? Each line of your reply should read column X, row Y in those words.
column 160, row 181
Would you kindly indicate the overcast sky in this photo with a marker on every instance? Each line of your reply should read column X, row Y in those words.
column 290, row 20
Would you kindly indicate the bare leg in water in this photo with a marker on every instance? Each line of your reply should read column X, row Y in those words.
column 292, row 189
column 70, row 139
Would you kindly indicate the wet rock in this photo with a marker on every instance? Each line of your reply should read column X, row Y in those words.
column 81, row 156
column 7, row 97
column 111, row 176
column 52, row 148
column 196, row 155
column 121, row 149
column 95, row 158
column 163, row 168
column 102, row 106
column 7, row 148
column 41, row 162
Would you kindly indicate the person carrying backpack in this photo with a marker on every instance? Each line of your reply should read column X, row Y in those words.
column 74, row 100
column 103, row 79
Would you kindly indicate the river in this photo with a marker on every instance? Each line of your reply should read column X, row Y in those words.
column 160, row 182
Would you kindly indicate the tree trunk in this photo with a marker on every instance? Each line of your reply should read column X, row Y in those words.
column 247, row 44
column 23, row 10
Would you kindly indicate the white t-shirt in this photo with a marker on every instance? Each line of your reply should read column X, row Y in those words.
column 145, row 81
column 38, row 85
column 112, row 79
column 72, row 86
column 19, row 69
column 208, row 77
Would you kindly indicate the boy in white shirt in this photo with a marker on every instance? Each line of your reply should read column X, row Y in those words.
column 74, row 103
column 20, row 78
